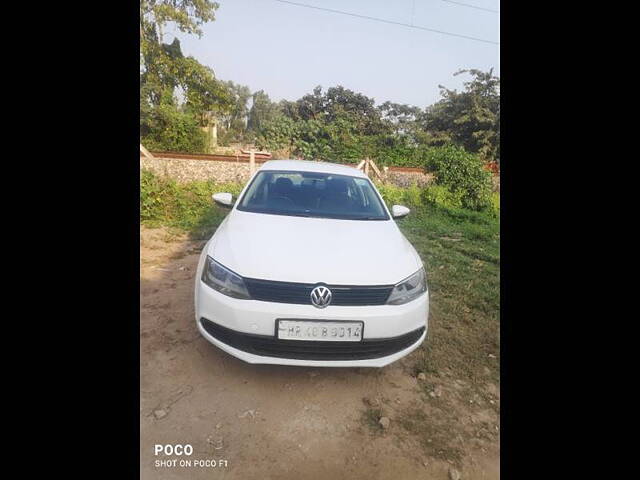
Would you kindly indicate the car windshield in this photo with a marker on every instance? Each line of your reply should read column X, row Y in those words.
column 313, row 194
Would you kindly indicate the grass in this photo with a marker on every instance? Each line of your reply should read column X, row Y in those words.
column 461, row 251
column 371, row 418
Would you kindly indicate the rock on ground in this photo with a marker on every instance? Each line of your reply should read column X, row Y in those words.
column 385, row 422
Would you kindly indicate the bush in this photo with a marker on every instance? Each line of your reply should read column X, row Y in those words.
column 462, row 173
column 393, row 195
column 166, row 128
column 188, row 206
column 495, row 203
column 442, row 196
column 155, row 195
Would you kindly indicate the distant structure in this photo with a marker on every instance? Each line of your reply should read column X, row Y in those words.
column 210, row 128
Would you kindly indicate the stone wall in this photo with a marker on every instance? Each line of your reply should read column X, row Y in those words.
column 406, row 179
column 186, row 170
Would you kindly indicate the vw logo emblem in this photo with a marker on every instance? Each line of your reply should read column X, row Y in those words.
column 320, row 297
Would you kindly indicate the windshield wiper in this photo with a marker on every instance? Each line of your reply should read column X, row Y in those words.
column 291, row 214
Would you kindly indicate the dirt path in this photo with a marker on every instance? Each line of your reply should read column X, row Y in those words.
column 271, row 422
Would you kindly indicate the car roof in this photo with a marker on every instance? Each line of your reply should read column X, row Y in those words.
column 308, row 166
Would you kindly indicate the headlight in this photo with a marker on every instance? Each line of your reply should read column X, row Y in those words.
column 223, row 280
column 408, row 289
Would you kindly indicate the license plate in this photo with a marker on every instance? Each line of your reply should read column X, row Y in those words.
column 320, row 330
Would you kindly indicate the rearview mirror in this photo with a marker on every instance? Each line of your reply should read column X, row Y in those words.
column 223, row 199
column 399, row 211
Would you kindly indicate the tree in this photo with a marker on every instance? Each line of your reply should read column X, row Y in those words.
column 168, row 128
column 341, row 125
column 263, row 111
column 233, row 122
column 282, row 134
column 160, row 64
column 310, row 106
column 172, row 85
column 402, row 118
column 188, row 15
column 341, row 103
column 470, row 118
column 336, row 125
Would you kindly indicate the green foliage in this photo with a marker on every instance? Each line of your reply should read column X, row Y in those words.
column 233, row 123
column 461, row 181
column 280, row 133
column 393, row 151
column 461, row 253
column 443, row 197
column 340, row 125
column 188, row 15
column 470, row 118
column 462, row 173
column 168, row 128
column 410, row 197
column 177, row 93
column 495, row 203
column 263, row 111
column 187, row 206
column 436, row 195
column 165, row 72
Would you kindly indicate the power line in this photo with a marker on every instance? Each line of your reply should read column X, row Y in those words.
column 472, row 6
column 390, row 22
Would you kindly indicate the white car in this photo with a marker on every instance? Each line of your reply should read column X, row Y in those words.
column 309, row 268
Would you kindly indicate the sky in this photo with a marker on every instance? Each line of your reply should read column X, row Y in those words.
column 287, row 50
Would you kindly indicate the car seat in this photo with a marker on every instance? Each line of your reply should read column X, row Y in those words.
column 336, row 197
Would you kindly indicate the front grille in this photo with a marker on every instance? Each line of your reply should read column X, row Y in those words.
column 268, row 346
column 299, row 293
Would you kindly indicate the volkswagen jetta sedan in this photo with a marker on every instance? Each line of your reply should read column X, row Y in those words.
column 310, row 268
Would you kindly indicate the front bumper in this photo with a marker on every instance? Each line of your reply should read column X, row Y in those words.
column 400, row 329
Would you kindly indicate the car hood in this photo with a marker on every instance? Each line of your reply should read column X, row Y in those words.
column 313, row 250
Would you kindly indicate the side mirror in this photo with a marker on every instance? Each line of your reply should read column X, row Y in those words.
column 223, row 199
column 399, row 211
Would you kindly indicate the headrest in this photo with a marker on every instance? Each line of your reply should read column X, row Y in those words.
column 283, row 185
column 338, row 185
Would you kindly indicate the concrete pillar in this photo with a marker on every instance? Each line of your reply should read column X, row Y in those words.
column 211, row 131
column 214, row 134
column 252, row 161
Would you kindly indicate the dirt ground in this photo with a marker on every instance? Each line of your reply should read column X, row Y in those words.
column 273, row 422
